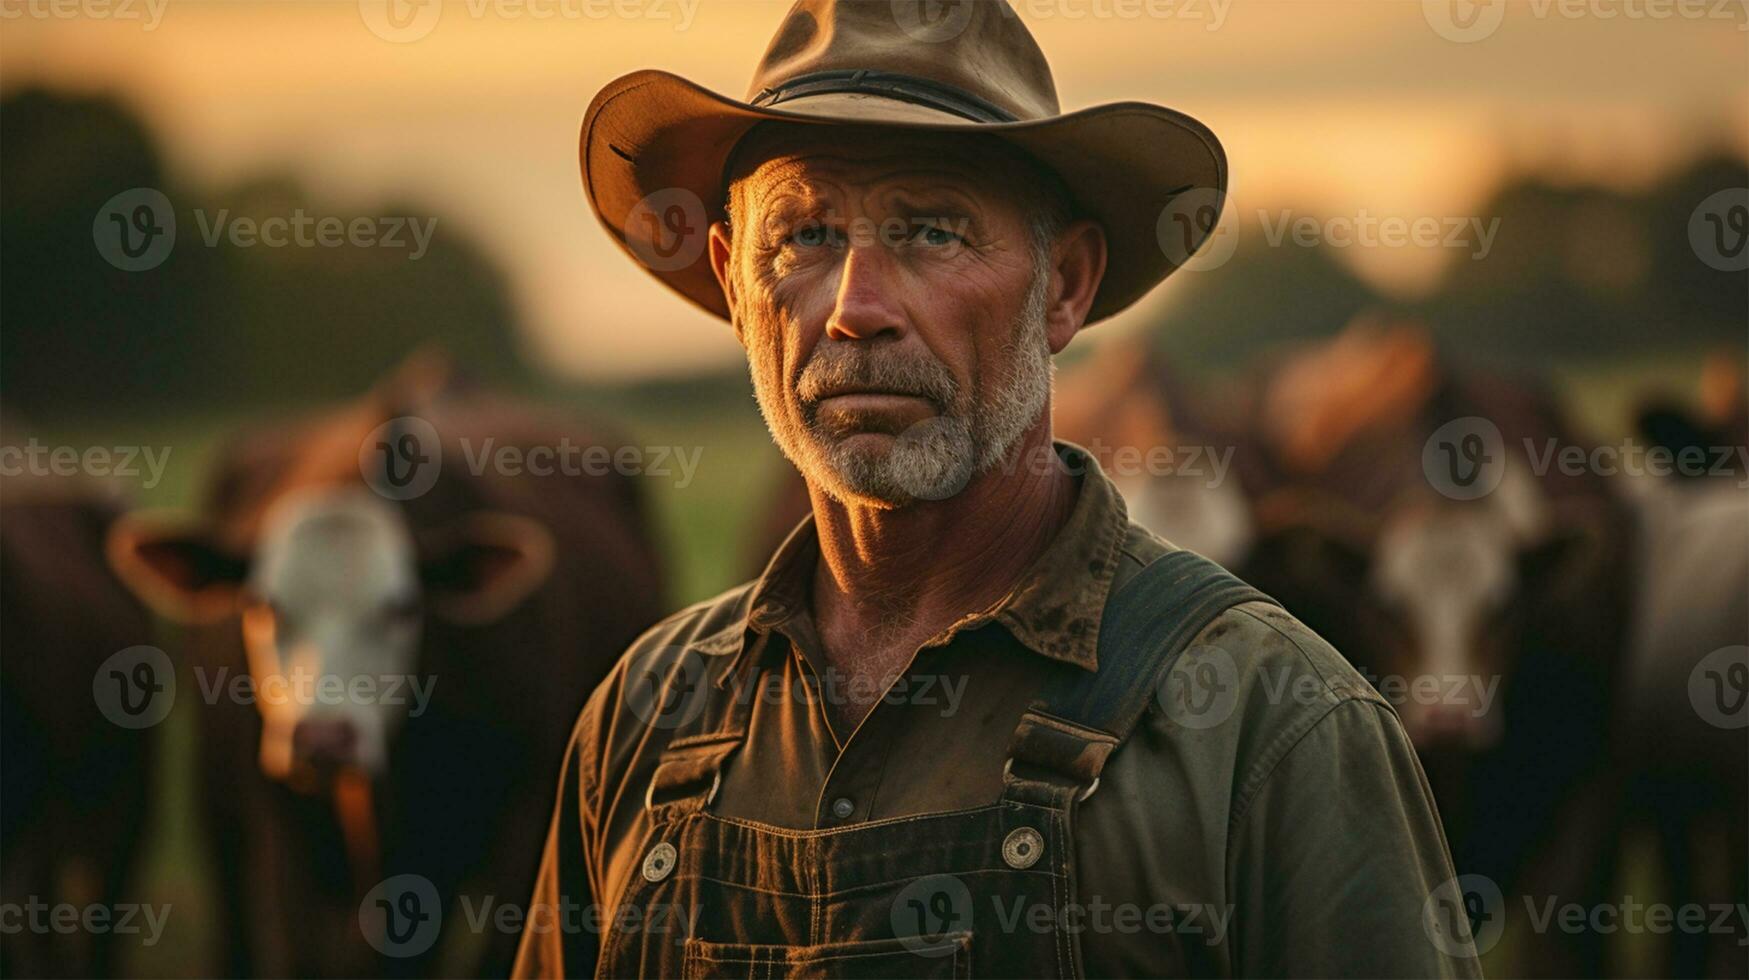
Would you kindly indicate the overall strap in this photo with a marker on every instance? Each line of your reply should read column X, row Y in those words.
column 1065, row 737
column 706, row 711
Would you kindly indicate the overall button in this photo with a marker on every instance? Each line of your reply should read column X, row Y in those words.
column 842, row 808
column 660, row 862
column 1022, row 848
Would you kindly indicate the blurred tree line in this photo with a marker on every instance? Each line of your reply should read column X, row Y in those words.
column 223, row 326
column 1574, row 274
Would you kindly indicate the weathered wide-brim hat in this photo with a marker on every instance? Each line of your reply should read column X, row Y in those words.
column 654, row 145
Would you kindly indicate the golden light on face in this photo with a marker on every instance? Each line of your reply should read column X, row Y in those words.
column 893, row 312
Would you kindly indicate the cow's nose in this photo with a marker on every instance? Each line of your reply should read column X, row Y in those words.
column 325, row 742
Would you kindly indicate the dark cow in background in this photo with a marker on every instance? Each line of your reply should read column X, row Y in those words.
column 74, row 786
column 1686, row 707
column 380, row 545
column 1496, row 624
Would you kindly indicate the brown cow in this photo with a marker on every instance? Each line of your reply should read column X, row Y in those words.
column 74, row 786
column 458, row 613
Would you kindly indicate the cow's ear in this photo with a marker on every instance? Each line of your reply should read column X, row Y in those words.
column 480, row 569
column 177, row 567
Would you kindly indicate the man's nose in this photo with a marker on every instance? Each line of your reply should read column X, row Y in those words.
column 867, row 304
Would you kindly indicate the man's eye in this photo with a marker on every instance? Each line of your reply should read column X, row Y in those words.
column 810, row 236
column 936, row 235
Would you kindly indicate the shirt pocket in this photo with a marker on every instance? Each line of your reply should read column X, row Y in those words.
column 948, row 956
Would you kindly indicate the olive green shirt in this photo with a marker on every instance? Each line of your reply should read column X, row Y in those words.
column 1272, row 821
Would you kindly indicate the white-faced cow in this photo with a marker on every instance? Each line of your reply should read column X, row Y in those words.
column 1494, row 621
column 399, row 608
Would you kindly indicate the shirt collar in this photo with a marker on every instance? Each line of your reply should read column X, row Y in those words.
column 1054, row 608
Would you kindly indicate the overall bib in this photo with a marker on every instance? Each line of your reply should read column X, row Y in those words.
column 973, row 892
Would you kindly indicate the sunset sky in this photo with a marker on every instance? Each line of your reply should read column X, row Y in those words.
column 1330, row 107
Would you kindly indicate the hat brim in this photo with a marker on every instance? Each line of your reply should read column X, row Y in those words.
column 653, row 147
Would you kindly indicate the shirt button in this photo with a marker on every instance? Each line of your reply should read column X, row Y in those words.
column 842, row 808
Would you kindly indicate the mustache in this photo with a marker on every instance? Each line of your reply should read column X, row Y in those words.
column 840, row 367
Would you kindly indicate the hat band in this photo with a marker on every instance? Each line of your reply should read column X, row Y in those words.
column 892, row 85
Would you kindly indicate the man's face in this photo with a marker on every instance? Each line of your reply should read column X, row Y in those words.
column 888, row 293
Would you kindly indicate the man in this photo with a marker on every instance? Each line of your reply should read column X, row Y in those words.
column 970, row 720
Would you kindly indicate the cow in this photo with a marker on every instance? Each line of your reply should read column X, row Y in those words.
column 1413, row 521
column 1495, row 624
column 75, row 782
column 1687, row 696
column 458, row 611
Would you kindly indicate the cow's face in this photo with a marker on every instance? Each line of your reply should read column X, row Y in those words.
column 331, row 626
column 1444, row 577
column 334, row 590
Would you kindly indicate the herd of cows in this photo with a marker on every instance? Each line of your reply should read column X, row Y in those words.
column 1549, row 633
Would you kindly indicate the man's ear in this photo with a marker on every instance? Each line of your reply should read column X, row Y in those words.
column 721, row 240
column 479, row 569
column 1077, row 269
column 177, row 567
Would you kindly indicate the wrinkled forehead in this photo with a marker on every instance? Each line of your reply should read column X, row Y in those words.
column 804, row 159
